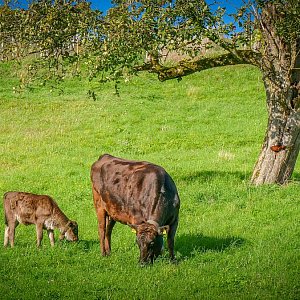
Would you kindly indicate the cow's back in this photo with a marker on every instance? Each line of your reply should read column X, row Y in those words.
column 135, row 188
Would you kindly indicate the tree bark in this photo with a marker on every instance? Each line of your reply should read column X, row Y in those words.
column 187, row 67
column 280, row 66
column 281, row 145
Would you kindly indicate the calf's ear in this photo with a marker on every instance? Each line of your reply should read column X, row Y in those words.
column 163, row 229
column 73, row 224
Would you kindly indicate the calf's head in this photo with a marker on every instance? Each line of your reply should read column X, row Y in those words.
column 149, row 237
column 70, row 232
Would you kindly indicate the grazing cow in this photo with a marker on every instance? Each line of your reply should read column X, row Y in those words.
column 41, row 210
column 139, row 194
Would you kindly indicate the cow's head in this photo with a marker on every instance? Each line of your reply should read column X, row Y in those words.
column 70, row 232
column 149, row 237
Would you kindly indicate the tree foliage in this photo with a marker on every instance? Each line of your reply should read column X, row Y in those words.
column 116, row 44
column 134, row 36
column 49, row 33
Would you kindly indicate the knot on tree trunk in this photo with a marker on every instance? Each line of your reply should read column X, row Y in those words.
column 278, row 147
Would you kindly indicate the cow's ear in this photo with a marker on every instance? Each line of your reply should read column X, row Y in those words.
column 133, row 227
column 163, row 229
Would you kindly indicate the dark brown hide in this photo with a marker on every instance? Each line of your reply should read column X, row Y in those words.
column 41, row 210
column 139, row 194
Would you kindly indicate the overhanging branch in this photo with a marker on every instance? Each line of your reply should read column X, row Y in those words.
column 184, row 68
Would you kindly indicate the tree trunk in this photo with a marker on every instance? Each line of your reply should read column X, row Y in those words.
column 281, row 145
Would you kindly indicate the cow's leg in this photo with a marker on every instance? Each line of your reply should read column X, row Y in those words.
column 39, row 233
column 101, row 215
column 51, row 236
column 110, row 223
column 170, row 239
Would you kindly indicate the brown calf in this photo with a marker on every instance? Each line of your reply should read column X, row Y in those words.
column 41, row 210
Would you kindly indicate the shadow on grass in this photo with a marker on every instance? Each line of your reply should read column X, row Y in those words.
column 88, row 245
column 210, row 175
column 189, row 244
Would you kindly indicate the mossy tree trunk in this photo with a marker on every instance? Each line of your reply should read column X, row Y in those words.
column 280, row 65
column 281, row 145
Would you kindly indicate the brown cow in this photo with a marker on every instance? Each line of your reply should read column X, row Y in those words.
column 139, row 194
column 41, row 210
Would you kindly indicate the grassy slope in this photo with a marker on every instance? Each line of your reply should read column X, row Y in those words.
column 234, row 241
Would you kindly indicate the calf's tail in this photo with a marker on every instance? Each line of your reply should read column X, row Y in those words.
column 4, row 209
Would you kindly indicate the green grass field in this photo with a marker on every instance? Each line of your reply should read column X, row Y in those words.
column 234, row 241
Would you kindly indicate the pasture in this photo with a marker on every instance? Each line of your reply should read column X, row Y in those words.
column 234, row 241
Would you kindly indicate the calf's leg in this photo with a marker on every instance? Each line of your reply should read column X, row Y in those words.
column 6, row 235
column 39, row 234
column 51, row 236
column 11, row 223
column 10, row 233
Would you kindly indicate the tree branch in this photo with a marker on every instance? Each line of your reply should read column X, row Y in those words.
column 184, row 68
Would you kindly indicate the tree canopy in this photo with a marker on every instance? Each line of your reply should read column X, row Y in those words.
column 116, row 44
